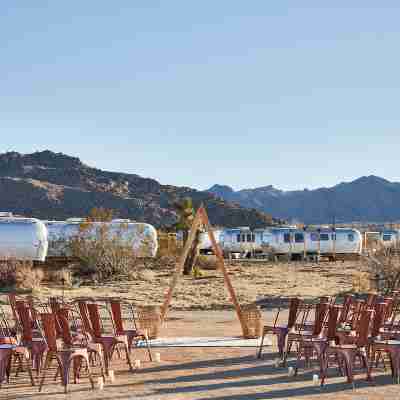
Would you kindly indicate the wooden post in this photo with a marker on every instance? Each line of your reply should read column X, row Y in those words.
column 202, row 218
column 179, row 267
column 221, row 264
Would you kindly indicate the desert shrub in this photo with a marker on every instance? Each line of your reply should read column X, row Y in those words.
column 361, row 282
column 384, row 266
column 20, row 274
column 168, row 245
column 102, row 255
column 59, row 276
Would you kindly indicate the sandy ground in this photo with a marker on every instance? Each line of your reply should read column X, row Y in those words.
column 194, row 373
column 217, row 373
column 252, row 282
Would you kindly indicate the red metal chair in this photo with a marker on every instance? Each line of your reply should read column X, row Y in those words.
column 36, row 345
column 64, row 356
column 108, row 342
column 347, row 353
column 281, row 332
column 77, row 339
column 133, row 335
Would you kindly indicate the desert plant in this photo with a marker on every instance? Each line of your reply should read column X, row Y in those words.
column 185, row 211
column 384, row 266
column 19, row 273
column 102, row 253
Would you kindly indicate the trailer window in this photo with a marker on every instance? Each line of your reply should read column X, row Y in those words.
column 249, row 238
column 387, row 238
column 286, row 237
column 350, row 237
column 324, row 237
column 299, row 238
column 238, row 238
column 314, row 237
column 333, row 236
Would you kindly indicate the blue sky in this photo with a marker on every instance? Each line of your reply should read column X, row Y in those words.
column 246, row 93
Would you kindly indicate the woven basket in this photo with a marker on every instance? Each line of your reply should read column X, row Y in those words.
column 149, row 319
column 252, row 318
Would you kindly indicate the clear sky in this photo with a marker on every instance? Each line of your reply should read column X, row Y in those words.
column 245, row 93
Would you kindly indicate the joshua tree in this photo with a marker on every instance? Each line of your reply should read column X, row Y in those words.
column 185, row 213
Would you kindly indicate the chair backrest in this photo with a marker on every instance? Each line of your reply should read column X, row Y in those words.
column 293, row 308
column 62, row 316
column 49, row 330
column 321, row 311
column 362, row 331
column 389, row 307
column 358, row 307
column 371, row 300
column 332, row 322
column 117, row 316
column 12, row 298
column 83, row 311
column 22, row 310
column 54, row 305
column 378, row 318
column 94, row 316
column 348, row 300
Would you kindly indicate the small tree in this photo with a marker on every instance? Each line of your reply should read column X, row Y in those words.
column 102, row 250
column 186, row 213
column 385, row 265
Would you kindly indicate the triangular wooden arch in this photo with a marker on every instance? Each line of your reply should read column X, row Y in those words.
column 200, row 219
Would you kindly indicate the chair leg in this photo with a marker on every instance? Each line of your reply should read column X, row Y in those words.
column 47, row 364
column 148, row 348
column 65, row 365
column 128, row 358
column 28, row 366
column 259, row 354
column 89, row 371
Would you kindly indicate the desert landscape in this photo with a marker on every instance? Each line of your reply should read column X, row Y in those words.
column 257, row 281
column 201, row 308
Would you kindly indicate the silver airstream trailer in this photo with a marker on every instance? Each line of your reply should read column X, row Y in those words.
column 325, row 241
column 390, row 238
column 287, row 240
column 23, row 239
column 142, row 237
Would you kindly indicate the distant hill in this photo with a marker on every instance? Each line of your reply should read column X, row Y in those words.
column 51, row 185
column 368, row 198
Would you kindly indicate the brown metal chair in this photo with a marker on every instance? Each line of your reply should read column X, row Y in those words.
column 319, row 340
column 36, row 345
column 64, row 356
column 281, row 332
column 108, row 342
column 134, row 335
column 347, row 353
column 78, row 339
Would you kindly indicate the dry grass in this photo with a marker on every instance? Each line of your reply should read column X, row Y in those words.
column 252, row 281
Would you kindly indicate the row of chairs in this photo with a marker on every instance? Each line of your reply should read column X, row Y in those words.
column 82, row 333
column 357, row 329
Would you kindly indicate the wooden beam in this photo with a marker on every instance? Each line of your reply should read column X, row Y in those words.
column 221, row 265
column 179, row 267
column 201, row 218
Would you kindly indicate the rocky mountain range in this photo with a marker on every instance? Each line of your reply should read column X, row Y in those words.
column 50, row 185
column 367, row 199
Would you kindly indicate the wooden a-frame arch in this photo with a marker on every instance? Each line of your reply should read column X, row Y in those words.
column 201, row 218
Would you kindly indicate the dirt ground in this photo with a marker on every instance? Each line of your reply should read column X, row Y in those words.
column 217, row 373
column 213, row 373
column 253, row 281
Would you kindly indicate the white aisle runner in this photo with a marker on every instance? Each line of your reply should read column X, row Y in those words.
column 205, row 342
